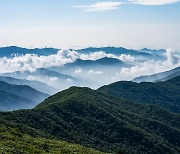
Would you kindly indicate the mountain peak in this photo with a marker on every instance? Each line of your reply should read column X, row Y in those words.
column 68, row 95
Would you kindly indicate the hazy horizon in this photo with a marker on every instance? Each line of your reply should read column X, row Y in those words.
column 132, row 24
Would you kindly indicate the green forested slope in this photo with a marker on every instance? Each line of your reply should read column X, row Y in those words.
column 165, row 94
column 13, row 140
column 106, row 123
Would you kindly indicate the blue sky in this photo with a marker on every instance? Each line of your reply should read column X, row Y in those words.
column 79, row 23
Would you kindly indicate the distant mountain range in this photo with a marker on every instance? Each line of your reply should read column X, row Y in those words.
column 113, row 50
column 14, row 97
column 13, row 50
column 105, row 62
column 100, row 68
column 150, row 51
column 40, row 86
column 59, row 81
column 102, row 61
column 102, row 121
column 163, row 76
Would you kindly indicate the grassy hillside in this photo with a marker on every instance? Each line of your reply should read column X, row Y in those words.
column 107, row 123
column 166, row 94
column 12, row 140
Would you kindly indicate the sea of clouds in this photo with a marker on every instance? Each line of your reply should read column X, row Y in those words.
column 31, row 62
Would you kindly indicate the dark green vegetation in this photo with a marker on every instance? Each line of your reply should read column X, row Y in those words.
column 166, row 94
column 100, row 121
column 13, row 140
column 13, row 97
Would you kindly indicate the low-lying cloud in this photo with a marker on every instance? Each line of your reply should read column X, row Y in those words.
column 101, row 75
column 30, row 62
column 92, row 72
column 149, row 67
column 172, row 59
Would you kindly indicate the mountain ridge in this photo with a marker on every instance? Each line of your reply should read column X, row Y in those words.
column 161, row 93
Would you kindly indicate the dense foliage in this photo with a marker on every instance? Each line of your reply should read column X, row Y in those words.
column 166, row 94
column 104, row 122
column 12, row 140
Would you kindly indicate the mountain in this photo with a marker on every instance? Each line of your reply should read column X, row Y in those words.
column 173, row 75
column 150, row 51
column 39, row 86
column 143, row 54
column 92, row 73
column 165, row 94
column 113, row 50
column 13, row 97
column 100, row 64
column 100, row 121
column 13, row 50
column 159, row 76
column 54, row 79
column 38, row 72
column 14, row 140
column 94, row 63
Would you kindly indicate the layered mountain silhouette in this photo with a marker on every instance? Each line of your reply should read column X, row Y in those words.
column 59, row 81
column 14, row 50
column 150, row 51
column 106, row 62
column 113, row 50
column 163, row 76
column 14, row 97
column 40, row 86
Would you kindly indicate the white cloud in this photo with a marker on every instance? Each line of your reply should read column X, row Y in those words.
column 95, row 55
column 101, row 54
column 69, row 80
column 100, row 6
column 153, row 2
column 46, row 79
column 78, row 71
column 53, row 79
column 31, row 62
column 126, row 58
column 172, row 59
column 94, row 72
column 149, row 67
